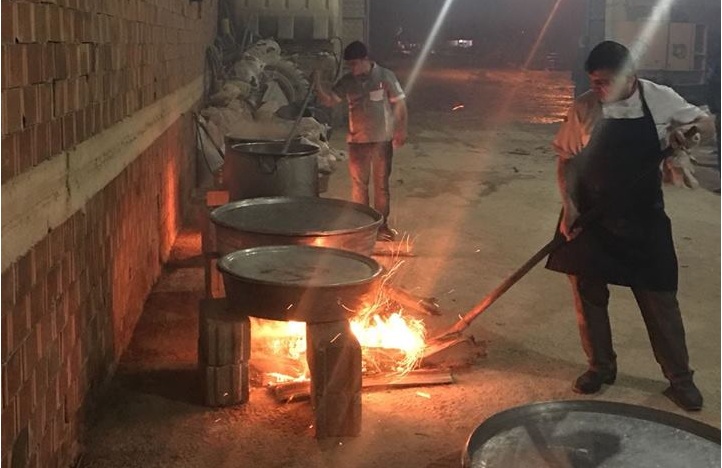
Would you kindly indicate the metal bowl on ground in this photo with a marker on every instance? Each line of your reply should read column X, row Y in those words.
column 298, row 282
column 321, row 222
column 263, row 169
column 591, row 434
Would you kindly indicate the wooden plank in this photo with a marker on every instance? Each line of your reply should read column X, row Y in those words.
column 293, row 391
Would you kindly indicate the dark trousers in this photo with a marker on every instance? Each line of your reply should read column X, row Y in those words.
column 662, row 317
column 365, row 160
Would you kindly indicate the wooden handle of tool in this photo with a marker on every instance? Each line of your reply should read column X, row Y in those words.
column 510, row 281
column 287, row 145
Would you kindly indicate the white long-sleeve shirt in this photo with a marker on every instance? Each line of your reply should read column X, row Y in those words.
column 669, row 111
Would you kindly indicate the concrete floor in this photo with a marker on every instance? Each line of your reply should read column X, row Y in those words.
column 475, row 190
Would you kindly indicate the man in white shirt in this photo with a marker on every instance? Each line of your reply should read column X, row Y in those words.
column 377, row 125
column 610, row 150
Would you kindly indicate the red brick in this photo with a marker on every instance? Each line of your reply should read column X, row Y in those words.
column 69, row 135
column 31, row 114
column 25, row 22
column 42, row 141
column 80, row 125
column 45, row 102
column 72, row 56
column 60, row 98
column 8, row 285
column 54, row 20
column 25, row 274
column 38, row 301
column 7, row 335
column 41, row 23
column 72, row 90
column 9, row 424
column 48, row 62
column 56, row 137
column 26, row 400
column 27, row 156
column 68, row 25
column 35, row 62
column 9, row 151
column 12, row 110
column 8, row 23
column 60, row 61
column 20, row 322
column 12, row 373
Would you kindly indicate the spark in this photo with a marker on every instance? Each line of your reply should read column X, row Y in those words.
column 423, row 395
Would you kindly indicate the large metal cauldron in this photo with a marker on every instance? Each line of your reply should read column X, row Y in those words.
column 261, row 169
column 587, row 433
column 301, row 283
column 322, row 222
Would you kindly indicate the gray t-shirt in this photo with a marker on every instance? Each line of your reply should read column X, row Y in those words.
column 369, row 102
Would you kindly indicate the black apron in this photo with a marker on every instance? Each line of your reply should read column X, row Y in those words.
column 630, row 244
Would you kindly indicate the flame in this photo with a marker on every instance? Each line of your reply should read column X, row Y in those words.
column 390, row 342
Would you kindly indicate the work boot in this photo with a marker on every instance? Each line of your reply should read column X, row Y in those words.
column 685, row 394
column 591, row 381
column 386, row 234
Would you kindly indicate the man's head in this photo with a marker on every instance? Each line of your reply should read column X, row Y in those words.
column 611, row 71
column 356, row 57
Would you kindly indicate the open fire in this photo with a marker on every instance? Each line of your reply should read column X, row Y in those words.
column 391, row 342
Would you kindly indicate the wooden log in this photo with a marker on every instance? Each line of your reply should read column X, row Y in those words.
column 223, row 338
column 293, row 391
column 424, row 305
column 392, row 249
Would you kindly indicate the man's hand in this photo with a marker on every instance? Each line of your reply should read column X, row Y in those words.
column 399, row 139
column 677, row 140
column 569, row 217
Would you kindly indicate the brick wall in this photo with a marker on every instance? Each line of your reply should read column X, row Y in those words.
column 71, row 69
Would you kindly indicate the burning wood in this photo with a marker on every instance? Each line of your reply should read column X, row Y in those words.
column 296, row 391
column 423, row 305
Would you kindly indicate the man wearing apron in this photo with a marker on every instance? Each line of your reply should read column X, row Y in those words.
column 377, row 125
column 610, row 149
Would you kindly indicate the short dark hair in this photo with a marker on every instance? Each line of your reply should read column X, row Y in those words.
column 355, row 50
column 609, row 55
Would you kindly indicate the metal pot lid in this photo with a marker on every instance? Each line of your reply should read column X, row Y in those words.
column 296, row 216
column 275, row 148
column 300, row 266
column 591, row 434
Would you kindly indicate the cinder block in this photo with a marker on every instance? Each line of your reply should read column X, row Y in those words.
column 225, row 385
column 223, row 338
column 334, row 361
